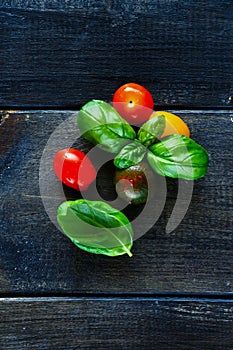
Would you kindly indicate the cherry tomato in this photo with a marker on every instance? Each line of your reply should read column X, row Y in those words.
column 131, row 183
column 133, row 102
column 174, row 124
column 74, row 168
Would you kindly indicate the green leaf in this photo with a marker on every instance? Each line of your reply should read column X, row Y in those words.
column 102, row 125
column 130, row 155
column 178, row 156
column 96, row 227
column 151, row 130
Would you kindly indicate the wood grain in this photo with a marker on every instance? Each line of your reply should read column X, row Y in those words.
column 115, row 323
column 58, row 54
column 36, row 258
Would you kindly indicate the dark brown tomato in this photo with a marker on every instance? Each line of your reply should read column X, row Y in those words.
column 132, row 183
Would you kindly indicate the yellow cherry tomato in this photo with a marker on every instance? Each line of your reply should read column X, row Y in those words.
column 174, row 124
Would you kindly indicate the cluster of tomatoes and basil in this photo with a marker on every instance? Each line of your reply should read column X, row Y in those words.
column 162, row 140
column 144, row 142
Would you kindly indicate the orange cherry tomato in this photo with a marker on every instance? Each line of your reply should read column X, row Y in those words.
column 174, row 124
column 133, row 102
column 74, row 168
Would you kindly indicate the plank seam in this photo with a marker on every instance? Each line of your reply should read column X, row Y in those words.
column 68, row 108
column 214, row 297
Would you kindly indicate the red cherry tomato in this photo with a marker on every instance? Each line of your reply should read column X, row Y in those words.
column 133, row 102
column 74, row 168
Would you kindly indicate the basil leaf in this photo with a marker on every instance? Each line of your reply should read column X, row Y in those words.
column 96, row 227
column 151, row 130
column 178, row 156
column 101, row 124
column 130, row 155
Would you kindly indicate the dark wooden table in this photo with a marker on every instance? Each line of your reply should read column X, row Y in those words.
column 176, row 290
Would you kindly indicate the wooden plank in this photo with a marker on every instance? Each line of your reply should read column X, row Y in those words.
column 37, row 258
column 62, row 53
column 116, row 324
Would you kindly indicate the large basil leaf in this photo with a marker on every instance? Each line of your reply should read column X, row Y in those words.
column 101, row 124
column 96, row 227
column 178, row 156
column 151, row 130
column 130, row 155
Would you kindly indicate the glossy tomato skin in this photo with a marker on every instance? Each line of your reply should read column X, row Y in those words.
column 132, row 185
column 74, row 168
column 133, row 102
column 173, row 124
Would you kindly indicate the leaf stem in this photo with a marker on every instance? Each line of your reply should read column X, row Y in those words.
column 128, row 251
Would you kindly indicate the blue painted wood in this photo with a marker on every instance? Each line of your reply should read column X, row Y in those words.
column 59, row 54
column 115, row 323
column 37, row 258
